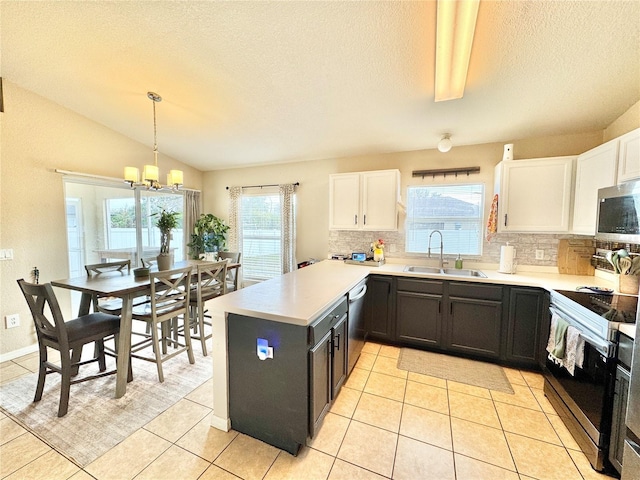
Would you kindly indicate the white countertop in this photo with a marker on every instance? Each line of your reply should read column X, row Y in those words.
column 302, row 296
column 298, row 297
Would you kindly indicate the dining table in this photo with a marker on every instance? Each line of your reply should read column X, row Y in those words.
column 124, row 285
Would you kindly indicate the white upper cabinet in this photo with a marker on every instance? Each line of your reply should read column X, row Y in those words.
column 534, row 195
column 364, row 200
column 629, row 156
column 594, row 169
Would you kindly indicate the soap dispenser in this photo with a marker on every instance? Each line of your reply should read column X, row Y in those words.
column 459, row 262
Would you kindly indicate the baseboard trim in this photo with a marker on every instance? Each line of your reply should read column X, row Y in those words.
column 5, row 357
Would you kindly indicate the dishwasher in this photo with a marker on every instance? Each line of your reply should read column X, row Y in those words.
column 356, row 327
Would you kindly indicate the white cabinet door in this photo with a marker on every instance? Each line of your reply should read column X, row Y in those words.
column 535, row 195
column 594, row 169
column 364, row 200
column 629, row 156
column 344, row 201
column 380, row 200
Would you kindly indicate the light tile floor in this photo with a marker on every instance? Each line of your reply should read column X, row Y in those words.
column 386, row 423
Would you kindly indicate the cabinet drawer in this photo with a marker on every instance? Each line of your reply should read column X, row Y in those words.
column 420, row 286
column 475, row 290
column 320, row 327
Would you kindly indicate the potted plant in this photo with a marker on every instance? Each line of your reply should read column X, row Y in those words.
column 208, row 235
column 167, row 221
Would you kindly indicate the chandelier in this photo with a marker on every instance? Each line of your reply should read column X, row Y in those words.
column 150, row 173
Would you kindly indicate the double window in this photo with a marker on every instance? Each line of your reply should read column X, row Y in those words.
column 107, row 222
column 454, row 210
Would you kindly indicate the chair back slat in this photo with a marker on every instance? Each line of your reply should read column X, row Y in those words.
column 211, row 280
column 232, row 274
column 170, row 292
column 98, row 268
column 148, row 262
column 42, row 301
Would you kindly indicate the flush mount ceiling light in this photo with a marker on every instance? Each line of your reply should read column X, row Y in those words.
column 444, row 145
column 150, row 173
column 456, row 25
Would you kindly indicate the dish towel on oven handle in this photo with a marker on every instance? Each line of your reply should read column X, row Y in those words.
column 565, row 345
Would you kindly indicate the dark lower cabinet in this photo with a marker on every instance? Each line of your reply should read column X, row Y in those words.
column 474, row 319
column 339, row 356
column 524, row 333
column 327, row 363
column 474, row 326
column 379, row 303
column 419, row 312
column 320, row 382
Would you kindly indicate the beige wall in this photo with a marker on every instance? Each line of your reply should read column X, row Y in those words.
column 38, row 136
column 313, row 192
column 628, row 121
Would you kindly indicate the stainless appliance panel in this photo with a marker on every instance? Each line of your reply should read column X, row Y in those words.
column 633, row 408
column 618, row 217
column 356, row 327
column 631, row 459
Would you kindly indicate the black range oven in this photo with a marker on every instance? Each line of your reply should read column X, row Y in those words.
column 584, row 400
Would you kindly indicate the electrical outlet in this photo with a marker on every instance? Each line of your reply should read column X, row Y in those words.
column 12, row 321
column 392, row 248
column 539, row 254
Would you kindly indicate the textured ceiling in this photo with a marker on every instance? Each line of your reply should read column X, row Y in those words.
column 245, row 83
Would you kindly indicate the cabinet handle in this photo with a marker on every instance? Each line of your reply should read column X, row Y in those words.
column 439, row 307
column 336, row 344
column 355, row 219
column 451, row 309
column 364, row 219
column 505, row 219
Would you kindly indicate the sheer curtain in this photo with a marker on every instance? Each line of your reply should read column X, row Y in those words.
column 191, row 213
column 288, row 226
column 258, row 259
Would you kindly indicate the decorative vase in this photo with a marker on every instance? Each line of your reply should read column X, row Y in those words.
column 164, row 261
column 378, row 255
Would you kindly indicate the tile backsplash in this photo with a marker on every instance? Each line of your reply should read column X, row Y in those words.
column 526, row 244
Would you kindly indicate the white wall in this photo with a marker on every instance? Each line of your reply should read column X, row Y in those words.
column 38, row 136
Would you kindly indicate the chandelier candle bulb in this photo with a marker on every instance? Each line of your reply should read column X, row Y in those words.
column 131, row 174
column 175, row 177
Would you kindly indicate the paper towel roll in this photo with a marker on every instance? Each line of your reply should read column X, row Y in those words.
column 507, row 255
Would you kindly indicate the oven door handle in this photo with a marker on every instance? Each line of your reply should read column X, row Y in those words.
column 603, row 346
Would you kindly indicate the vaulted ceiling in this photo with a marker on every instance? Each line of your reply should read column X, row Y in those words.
column 246, row 83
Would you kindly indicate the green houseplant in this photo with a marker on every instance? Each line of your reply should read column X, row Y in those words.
column 167, row 221
column 208, row 235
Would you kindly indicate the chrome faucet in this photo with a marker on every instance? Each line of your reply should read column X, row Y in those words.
column 442, row 260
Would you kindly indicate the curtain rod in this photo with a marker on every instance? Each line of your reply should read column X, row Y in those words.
column 272, row 185
column 100, row 177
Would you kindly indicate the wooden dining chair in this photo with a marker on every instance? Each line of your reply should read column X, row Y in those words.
column 149, row 262
column 170, row 295
column 210, row 283
column 66, row 337
column 232, row 273
column 110, row 305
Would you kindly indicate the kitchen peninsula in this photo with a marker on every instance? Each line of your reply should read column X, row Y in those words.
column 299, row 299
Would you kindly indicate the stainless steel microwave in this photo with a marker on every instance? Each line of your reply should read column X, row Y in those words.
column 619, row 213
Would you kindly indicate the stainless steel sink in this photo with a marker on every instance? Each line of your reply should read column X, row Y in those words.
column 429, row 270
column 463, row 272
column 445, row 271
